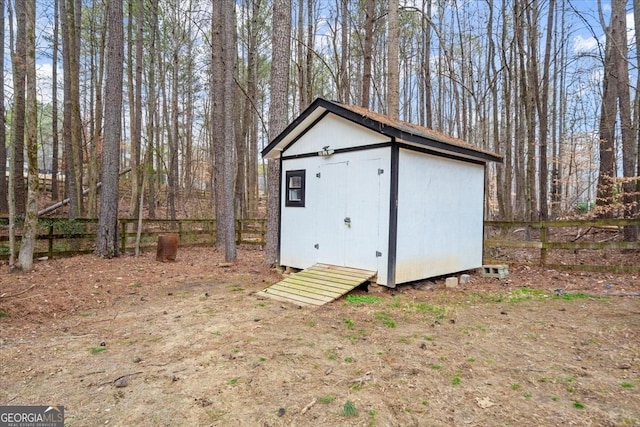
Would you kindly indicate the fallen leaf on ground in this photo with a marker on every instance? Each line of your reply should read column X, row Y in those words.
column 484, row 403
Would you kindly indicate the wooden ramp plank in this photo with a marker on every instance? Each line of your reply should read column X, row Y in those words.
column 323, row 285
column 287, row 288
column 329, row 280
column 345, row 270
column 288, row 298
column 292, row 283
column 317, row 285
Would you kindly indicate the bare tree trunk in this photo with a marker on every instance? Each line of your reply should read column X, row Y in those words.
column 527, row 78
column 163, row 165
column 558, row 118
column 629, row 143
column 71, row 134
column 310, row 52
column 241, row 128
column 131, row 102
column 141, row 201
column 95, row 140
column 107, row 239
column 76, row 122
column 136, row 109
column 369, row 22
column 151, row 112
column 25, row 257
column 278, row 118
column 440, row 73
column 520, row 135
column 428, row 86
column 223, row 66
column 172, row 173
column 502, row 196
column 4, row 202
column 55, row 142
column 187, row 78
column 636, row 20
column 543, row 111
column 393, row 80
column 230, row 67
column 507, row 132
column 240, row 193
column 250, row 134
column 344, row 52
column 18, row 125
column 188, row 164
column 217, row 116
column 300, row 68
column 12, row 168
column 608, row 114
column 461, row 104
column 530, row 82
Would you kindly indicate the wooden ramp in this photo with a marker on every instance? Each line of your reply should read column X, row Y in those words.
column 317, row 285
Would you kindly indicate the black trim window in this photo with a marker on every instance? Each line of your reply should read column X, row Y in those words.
column 295, row 188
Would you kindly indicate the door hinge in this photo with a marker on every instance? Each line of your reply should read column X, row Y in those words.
column 317, row 246
column 318, row 175
column 378, row 254
column 380, row 171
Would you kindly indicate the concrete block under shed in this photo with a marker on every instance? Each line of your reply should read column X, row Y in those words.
column 499, row 271
column 464, row 279
column 451, row 282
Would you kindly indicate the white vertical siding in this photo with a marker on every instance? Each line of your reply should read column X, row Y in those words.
column 440, row 216
column 300, row 227
column 297, row 235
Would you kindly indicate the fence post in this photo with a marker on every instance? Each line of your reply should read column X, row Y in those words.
column 123, row 235
column 212, row 231
column 543, row 242
column 51, row 241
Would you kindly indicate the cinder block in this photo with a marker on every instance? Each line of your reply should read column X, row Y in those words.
column 451, row 282
column 464, row 279
column 499, row 271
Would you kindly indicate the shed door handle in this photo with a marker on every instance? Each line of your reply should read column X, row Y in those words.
column 347, row 220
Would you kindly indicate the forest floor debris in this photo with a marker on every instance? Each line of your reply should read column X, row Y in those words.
column 189, row 343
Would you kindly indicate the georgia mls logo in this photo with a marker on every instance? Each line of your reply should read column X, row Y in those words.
column 56, row 409
column 31, row 416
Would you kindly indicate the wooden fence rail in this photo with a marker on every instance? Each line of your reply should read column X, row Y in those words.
column 584, row 245
column 62, row 237
column 580, row 245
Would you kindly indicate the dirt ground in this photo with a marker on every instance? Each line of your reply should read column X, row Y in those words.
column 133, row 342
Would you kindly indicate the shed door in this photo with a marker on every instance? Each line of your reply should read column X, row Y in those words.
column 347, row 221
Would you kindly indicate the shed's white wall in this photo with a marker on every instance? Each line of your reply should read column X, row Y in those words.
column 297, row 234
column 300, row 230
column 440, row 216
column 336, row 132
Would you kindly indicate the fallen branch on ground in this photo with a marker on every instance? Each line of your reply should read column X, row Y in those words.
column 5, row 296
column 119, row 378
column 309, row 406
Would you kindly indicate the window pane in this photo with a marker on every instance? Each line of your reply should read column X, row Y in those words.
column 295, row 182
column 295, row 195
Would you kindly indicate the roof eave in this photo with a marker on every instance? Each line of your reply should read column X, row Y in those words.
column 268, row 151
column 275, row 148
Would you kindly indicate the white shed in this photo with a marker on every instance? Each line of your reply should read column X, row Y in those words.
column 361, row 190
